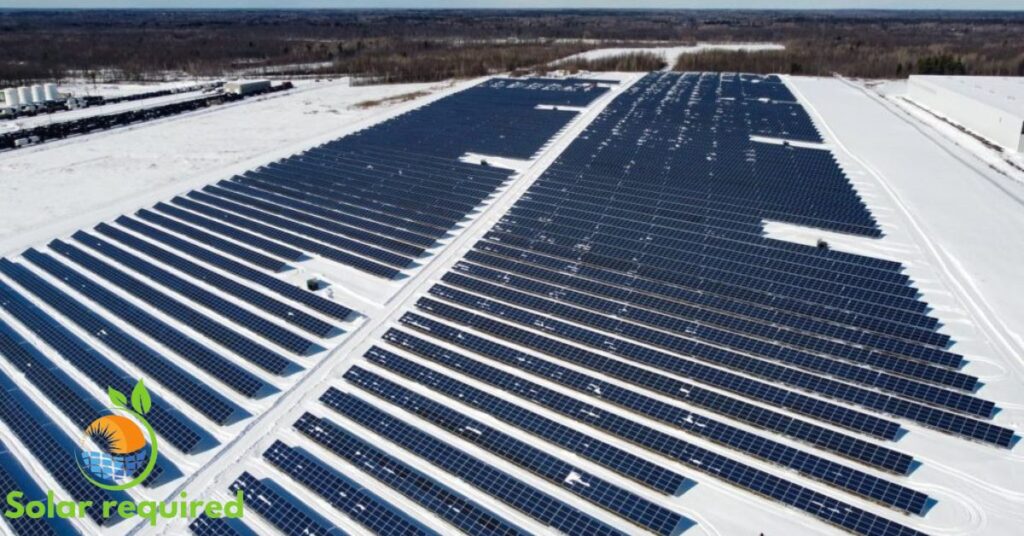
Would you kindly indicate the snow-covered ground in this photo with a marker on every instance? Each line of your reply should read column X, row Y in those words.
column 670, row 54
column 955, row 222
column 60, row 186
column 81, row 88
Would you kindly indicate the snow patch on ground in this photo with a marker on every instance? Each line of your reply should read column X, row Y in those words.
column 951, row 219
column 57, row 187
column 669, row 54
column 81, row 88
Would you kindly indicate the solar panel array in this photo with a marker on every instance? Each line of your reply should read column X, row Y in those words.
column 625, row 331
column 631, row 297
column 189, row 293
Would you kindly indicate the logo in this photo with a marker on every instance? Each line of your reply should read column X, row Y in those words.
column 119, row 450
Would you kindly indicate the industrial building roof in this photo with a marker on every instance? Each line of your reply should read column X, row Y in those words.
column 1003, row 92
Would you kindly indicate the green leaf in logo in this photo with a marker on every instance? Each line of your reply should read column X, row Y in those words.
column 117, row 398
column 140, row 399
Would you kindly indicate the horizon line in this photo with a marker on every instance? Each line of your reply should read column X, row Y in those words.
column 580, row 9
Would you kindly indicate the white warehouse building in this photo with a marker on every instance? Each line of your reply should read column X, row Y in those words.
column 990, row 106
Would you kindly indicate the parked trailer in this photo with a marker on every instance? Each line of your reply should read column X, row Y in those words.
column 247, row 87
column 95, row 123
column 50, row 100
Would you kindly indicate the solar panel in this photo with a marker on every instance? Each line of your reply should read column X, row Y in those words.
column 213, row 301
column 689, row 337
column 672, row 363
column 311, row 246
column 599, row 296
column 924, row 415
column 270, row 305
column 578, row 481
column 207, row 526
column 370, row 225
column 793, row 312
column 234, row 233
column 863, row 451
column 348, row 205
column 625, row 463
column 858, row 482
column 203, row 399
column 315, row 235
column 188, row 348
column 280, row 509
column 517, row 494
column 24, row 525
column 173, row 427
column 39, row 435
column 286, row 290
column 359, row 504
column 231, row 247
column 53, row 383
column 317, row 221
column 425, row 491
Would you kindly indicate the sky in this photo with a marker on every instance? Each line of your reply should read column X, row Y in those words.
column 740, row 4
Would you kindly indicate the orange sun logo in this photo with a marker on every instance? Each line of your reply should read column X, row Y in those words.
column 115, row 434
column 118, row 451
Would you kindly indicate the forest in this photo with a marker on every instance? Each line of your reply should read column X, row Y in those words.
column 401, row 46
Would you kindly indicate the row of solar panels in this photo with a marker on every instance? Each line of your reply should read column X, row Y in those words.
column 188, row 293
column 620, row 307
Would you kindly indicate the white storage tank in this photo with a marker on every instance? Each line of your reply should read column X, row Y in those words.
column 50, row 90
column 25, row 95
column 11, row 99
column 38, row 95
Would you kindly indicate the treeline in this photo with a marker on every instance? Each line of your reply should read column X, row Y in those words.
column 873, row 63
column 428, row 61
column 893, row 49
column 397, row 46
column 630, row 61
